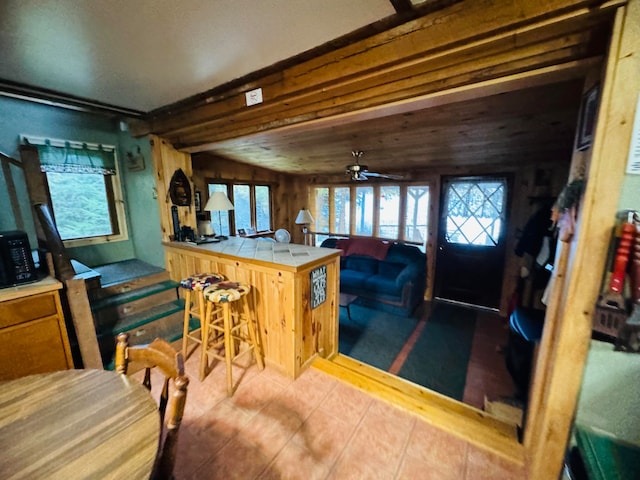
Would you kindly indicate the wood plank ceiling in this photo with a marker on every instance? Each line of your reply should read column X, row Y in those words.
column 525, row 126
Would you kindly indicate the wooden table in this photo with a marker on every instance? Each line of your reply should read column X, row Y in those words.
column 77, row 424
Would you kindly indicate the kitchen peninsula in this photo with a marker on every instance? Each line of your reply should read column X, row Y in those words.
column 294, row 293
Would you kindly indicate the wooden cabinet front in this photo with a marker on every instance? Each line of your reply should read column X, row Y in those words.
column 33, row 336
column 291, row 331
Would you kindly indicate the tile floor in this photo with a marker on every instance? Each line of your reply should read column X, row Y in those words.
column 315, row 427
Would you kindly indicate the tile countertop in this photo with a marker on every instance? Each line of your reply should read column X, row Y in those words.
column 282, row 254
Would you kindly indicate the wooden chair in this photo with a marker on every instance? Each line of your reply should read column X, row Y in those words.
column 159, row 354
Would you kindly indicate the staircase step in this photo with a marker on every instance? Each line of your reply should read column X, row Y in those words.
column 128, row 285
column 125, row 270
column 133, row 295
column 110, row 311
column 132, row 322
column 162, row 321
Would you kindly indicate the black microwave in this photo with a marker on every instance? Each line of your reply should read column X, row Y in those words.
column 16, row 260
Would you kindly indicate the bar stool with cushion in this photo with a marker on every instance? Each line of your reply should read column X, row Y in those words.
column 195, row 307
column 225, row 328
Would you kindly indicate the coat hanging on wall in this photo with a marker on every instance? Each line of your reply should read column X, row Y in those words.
column 180, row 189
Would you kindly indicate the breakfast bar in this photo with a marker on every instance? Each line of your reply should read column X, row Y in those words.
column 294, row 293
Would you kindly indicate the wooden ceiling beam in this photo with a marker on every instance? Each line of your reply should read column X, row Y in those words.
column 412, row 87
column 444, row 31
column 418, row 79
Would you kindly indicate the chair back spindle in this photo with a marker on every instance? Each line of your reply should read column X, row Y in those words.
column 160, row 355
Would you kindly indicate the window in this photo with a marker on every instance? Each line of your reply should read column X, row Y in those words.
column 475, row 211
column 389, row 211
column 341, row 210
column 321, row 209
column 392, row 212
column 251, row 208
column 263, row 208
column 220, row 219
column 416, row 214
column 364, row 211
column 84, row 188
column 242, row 207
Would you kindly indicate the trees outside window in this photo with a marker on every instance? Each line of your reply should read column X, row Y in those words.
column 84, row 188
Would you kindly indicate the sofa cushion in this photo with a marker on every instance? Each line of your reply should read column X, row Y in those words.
column 409, row 273
column 383, row 284
column 390, row 269
column 371, row 247
column 407, row 254
column 350, row 279
column 361, row 264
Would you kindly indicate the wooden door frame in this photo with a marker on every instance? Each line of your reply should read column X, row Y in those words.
column 509, row 181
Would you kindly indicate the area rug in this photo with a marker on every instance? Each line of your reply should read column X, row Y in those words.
column 372, row 336
column 440, row 356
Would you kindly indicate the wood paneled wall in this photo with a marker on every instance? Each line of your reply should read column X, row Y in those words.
column 166, row 160
column 288, row 193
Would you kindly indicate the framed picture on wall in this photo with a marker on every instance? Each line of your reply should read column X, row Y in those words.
column 588, row 111
column 197, row 203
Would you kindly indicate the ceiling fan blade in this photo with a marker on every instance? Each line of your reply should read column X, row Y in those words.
column 383, row 175
column 357, row 176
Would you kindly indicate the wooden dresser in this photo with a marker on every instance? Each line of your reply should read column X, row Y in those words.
column 33, row 335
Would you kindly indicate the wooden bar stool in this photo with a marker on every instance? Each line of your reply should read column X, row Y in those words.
column 224, row 328
column 195, row 307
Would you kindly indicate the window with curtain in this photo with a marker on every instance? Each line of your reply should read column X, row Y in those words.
column 84, row 188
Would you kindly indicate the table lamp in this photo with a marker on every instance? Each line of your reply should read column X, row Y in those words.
column 304, row 218
column 218, row 202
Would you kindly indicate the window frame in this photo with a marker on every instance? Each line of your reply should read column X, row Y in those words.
column 252, row 202
column 402, row 205
column 113, row 190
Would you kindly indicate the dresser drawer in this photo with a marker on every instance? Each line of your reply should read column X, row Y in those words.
column 22, row 310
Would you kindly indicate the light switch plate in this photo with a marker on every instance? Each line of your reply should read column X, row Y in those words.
column 253, row 97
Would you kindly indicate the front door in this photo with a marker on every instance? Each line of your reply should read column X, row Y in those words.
column 471, row 240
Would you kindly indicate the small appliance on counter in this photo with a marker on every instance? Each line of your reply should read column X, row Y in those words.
column 16, row 260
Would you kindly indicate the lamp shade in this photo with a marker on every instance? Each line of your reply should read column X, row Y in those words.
column 304, row 217
column 218, row 201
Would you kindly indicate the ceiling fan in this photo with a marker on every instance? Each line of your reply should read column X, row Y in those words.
column 359, row 172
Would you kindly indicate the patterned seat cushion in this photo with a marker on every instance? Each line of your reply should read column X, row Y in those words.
column 226, row 292
column 200, row 281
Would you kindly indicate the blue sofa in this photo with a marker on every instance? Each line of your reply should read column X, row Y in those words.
column 394, row 282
